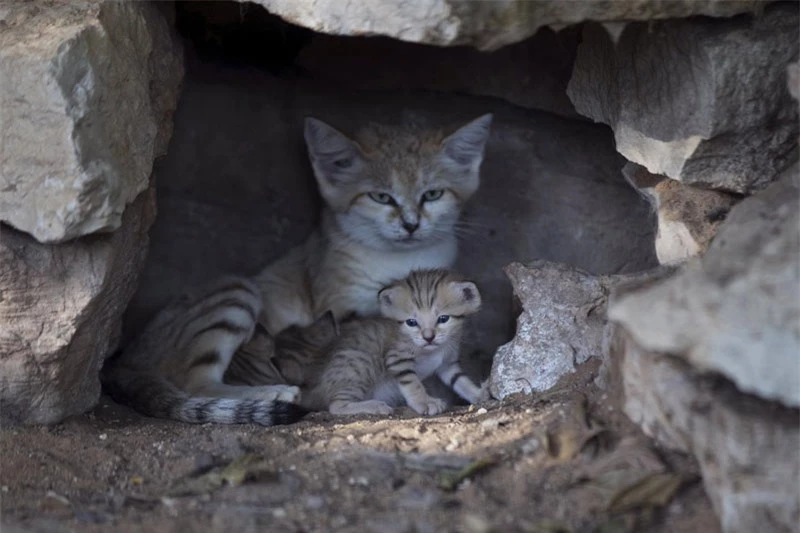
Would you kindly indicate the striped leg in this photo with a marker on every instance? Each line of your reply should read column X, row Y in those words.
column 401, row 367
column 455, row 378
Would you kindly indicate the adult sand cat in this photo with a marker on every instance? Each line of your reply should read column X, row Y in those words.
column 393, row 196
column 378, row 363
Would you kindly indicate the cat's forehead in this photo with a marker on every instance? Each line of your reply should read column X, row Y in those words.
column 401, row 146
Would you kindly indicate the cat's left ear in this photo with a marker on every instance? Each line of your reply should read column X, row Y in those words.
column 465, row 146
column 465, row 297
column 335, row 158
column 392, row 301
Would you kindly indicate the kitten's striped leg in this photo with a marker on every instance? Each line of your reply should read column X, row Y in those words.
column 365, row 407
column 400, row 365
column 454, row 377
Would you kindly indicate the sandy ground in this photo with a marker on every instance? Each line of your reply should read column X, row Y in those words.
column 565, row 461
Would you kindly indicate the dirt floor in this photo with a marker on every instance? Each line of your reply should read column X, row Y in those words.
column 565, row 461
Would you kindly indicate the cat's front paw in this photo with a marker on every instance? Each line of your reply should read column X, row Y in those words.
column 429, row 406
column 281, row 393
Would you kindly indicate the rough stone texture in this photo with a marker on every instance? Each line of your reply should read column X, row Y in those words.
column 533, row 73
column 561, row 324
column 736, row 310
column 551, row 188
column 701, row 101
column 747, row 448
column 95, row 83
column 485, row 25
column 60, row 309
column 688, row 217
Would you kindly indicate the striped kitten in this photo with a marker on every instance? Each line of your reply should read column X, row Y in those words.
column 174, row 368
column 392, row 199
column 378, row 363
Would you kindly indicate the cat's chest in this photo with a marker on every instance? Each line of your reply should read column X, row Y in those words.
column 382, row 267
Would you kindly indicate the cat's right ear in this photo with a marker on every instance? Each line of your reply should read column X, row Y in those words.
column 335, row 158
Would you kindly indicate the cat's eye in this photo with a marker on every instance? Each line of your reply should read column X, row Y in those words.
column 443, row 318
column 411, row 323
column 432, row 195
column 343, row 163
column 382, row 198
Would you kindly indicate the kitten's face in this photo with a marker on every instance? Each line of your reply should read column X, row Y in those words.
column 430, row 306
column 397, row 189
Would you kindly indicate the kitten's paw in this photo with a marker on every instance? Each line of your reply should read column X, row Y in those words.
column 484, row 395
column 430, row 406
column 367, row 407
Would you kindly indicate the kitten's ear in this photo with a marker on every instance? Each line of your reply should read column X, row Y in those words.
column 465, row 146
column 393, row 302
column 465, row 297
column 324, row 329
column 335, row 158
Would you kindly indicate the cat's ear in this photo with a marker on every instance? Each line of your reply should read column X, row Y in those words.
column 465, row 146
column 335, row 158
column 324, row 329
column 393, row 301
column 464, row 297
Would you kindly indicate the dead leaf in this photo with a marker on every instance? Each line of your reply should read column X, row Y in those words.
column 655, row 490
column 246, row 468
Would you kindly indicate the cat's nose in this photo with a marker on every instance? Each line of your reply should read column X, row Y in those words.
column 410, row 227
column 428, row 335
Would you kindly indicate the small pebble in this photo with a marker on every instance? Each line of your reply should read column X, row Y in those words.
column 103, row 436
column 481, row 411
column 279, row 512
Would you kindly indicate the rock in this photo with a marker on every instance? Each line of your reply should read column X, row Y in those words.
column 533, row 73
column 736, row 310
column 484, row 25
column 688, row 217
column 746, row 446
column 96, row 84
column 701, row 101
column 561, row 325
column 61, row 308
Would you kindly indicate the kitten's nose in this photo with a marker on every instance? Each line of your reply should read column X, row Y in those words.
column 410, row 227
column 428, row 335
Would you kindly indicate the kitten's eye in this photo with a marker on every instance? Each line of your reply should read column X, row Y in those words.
column 411, row 323
column 343, row 163
column 382, row 198
column 443, row 319
column 432, row 195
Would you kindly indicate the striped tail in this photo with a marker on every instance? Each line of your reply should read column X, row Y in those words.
column 158, row 397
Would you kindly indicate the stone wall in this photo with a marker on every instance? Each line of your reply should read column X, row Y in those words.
column 87, row 91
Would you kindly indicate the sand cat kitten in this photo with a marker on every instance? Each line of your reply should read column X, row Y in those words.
column 174, row 368
column 392, row 198
column 377, row 363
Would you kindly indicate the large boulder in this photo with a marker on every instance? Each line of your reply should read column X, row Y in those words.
column 702, row 101
column 61, row 308
column 735, row 311
column 87, row 91
column 707, row 360
column 485, row 25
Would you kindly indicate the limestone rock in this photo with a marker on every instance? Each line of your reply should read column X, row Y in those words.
column 746, row 447
column 561, row 325
column 95, row 83
column 485, row 25
column 687, row 217
column 60, row 309
column 702, row 101
column 736, row 310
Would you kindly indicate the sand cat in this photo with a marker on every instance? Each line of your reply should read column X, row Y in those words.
column 393, row 196
column 174, row 368
column 378, row 363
